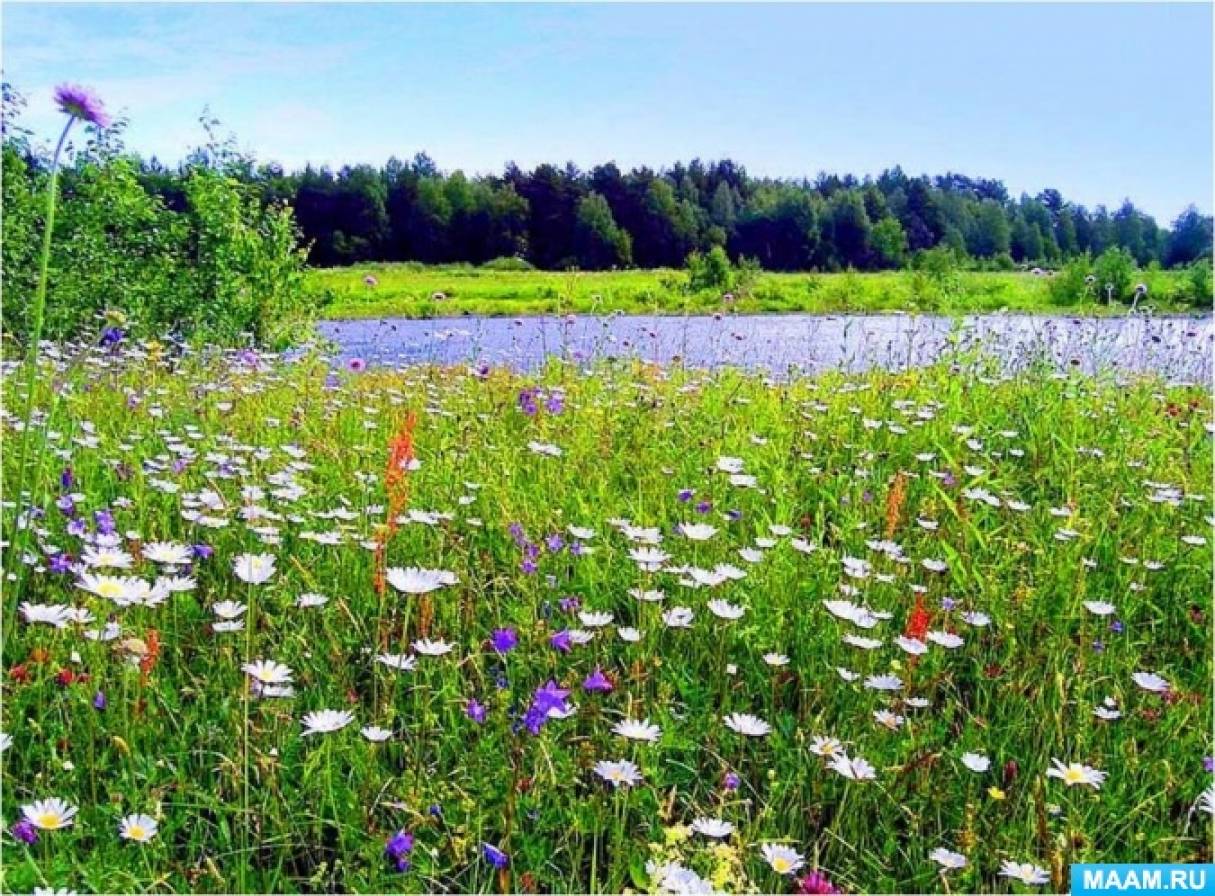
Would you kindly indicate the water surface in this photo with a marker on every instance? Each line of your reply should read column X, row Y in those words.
column 1177, row 347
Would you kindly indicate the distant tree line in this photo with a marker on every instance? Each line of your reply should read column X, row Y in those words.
column 560, row 217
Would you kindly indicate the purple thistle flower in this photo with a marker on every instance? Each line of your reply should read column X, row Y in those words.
column 554, row 543
column 77, row 527
column 99, row 701
column 815, row 883
column 475, row 711
column 704, row 506
column 111, row 336
column 555, row 404
column 597, row 681
column 1098, row 646
column 66, row 505
column 685, row 495
column 731, row 781
column 202, row 551
column 494, row 856
column 948, row 603
column 356, row 365
column 1116, row 627
column 24, row 831
column 105, row 522
column 61, row 563
column 503, row 640
column 577, row 549
column 569, row 603
column 1208, row 764
column 561, row 641
column 80, row 102
column 67, row 479
column 517, row 533
column 734, row 515
column 528, row 567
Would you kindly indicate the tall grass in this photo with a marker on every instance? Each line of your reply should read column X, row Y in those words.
column 1038, row 494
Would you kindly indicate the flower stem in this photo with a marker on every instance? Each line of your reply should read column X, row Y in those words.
column 38, row 313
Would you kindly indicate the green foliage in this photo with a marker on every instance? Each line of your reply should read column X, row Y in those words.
column 598, row 241
column 245, row 803
column 405, row 289
column 221, row 266
column 1198, row 281
column 508, row 263
column 709, row 271
column 889, row 242
column 935, row 277
column 1073, row 284
column 246, row 267
column 1115, row 272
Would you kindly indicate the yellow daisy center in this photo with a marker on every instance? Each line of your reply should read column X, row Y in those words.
column 109, row 589
column 137, row 832
column 1073, row 775
column 49, row 820
column 781, row 864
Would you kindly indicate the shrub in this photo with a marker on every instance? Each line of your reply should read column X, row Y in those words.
column 220, row 265
column 935, row 276
column 709, row 271
column 1072, row 285
column 508, row 263
column 1115, row 271
column 1198, row 282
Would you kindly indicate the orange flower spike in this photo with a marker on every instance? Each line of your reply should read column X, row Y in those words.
column 396, row 471
column 148, row 661
column 918, row 620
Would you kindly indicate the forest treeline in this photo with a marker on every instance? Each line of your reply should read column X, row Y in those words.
column 560, row 217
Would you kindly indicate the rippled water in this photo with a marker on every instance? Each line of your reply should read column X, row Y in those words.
column 1180, row 348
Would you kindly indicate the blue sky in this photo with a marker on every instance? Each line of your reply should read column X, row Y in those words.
column 1098, row 101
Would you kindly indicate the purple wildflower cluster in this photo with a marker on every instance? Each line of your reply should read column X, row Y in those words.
column 530, row 398
column 398, row 848
column 549, row 697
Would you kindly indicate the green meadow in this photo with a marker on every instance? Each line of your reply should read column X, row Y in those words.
column 277, row 629
column 419, row 291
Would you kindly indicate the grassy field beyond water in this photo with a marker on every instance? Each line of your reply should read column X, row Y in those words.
column 410, row 290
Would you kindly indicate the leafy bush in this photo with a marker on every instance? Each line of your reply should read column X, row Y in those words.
column 710, row 270
column 936, row 276
column 1198, row 282
column 1115, row 271
column 508, row 263
column 220, row 264
column 1072, row 284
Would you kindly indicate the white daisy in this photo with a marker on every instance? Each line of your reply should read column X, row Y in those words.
column 326, row 721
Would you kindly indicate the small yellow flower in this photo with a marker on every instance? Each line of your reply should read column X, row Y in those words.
column 995, row 793
column 677, row 833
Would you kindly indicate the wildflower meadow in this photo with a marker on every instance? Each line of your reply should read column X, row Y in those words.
column 282, row 628
column 294, row 621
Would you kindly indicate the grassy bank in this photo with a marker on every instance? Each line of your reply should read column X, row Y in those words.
column 1036, row 543
column 406, row 290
